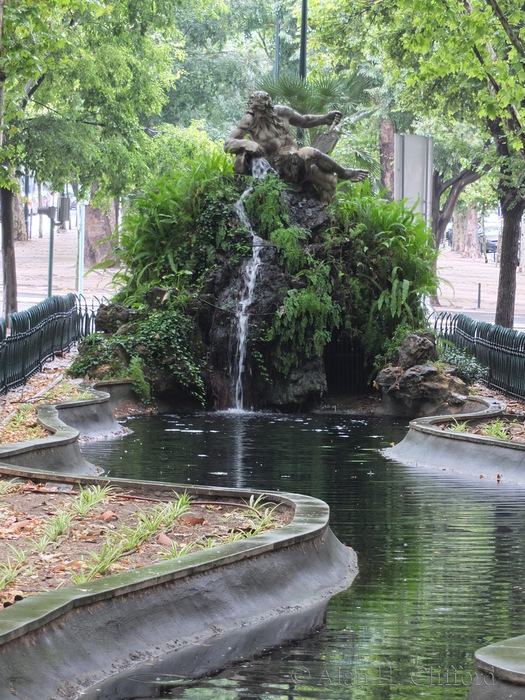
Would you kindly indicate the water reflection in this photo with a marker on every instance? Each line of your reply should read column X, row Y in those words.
column 440, row 555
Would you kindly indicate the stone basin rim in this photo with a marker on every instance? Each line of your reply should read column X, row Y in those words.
column 311, row 520
column 491, row 660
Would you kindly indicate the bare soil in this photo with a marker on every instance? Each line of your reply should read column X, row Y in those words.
column 28, row 508
column 512, row 423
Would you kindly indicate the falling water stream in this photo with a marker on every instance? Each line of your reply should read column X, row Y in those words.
column 441, row 556
column 260, row 167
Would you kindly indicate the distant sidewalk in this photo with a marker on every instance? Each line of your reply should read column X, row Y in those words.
column 32, row 268
column 470, row 286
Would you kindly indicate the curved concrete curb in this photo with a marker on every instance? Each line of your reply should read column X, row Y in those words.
column 195, row 614
column 429, row 445
column 500, row 671
column 61, row 643
column 68, row 422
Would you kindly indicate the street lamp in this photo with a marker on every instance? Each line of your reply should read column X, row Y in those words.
column 302, row 46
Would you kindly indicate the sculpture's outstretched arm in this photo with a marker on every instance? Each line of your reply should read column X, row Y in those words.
column 307, row 121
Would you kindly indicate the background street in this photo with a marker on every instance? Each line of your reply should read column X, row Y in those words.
column 32, row 266
column 460, row 280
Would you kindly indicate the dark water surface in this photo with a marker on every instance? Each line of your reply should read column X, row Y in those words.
column 441, row 557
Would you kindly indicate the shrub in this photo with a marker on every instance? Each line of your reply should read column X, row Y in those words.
column 159, row 344
column 467, row 367
column 168, row 234
column 382, row 252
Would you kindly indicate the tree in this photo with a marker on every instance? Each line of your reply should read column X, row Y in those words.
column 82, row 81
column 458, row 57
column 226, row 52
column 460, row 159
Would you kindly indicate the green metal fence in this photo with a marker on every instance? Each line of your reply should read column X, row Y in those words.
column 501, row 350
column 38, row 334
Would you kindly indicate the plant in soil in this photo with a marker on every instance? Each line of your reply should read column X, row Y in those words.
column 458, row 427
column 498, row 428
column 60, row 536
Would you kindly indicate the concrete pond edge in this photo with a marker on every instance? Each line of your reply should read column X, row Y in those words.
column 188, row 616
column 68, row 422
column 500, row 667
column 428, row 443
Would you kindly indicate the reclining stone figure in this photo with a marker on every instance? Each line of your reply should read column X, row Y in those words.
column 264, row 131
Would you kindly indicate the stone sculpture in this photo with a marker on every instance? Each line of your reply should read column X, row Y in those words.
column 264, row 131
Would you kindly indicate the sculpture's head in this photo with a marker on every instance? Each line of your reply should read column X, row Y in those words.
column 260, row 101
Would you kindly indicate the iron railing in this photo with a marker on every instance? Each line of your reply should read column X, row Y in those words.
column 500, row 350
column 38, row 334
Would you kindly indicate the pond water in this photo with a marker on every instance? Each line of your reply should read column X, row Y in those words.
column 441, row 557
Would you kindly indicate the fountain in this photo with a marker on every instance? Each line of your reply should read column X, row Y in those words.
column 260, row 168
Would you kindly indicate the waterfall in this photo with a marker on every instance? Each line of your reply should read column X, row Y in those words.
column 260, row 167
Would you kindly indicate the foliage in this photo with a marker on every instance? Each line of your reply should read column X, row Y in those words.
column 367, row 278
column 467, row 367
column 97, row 350
column 382, row 252
column 497, row 428
column 164, row 341
column 457, row 427
column 304, row 323
column 138, row 380
column 460, row 60
column 159, row 342
column 82, row 80
column 266, row 204
column 169, row 230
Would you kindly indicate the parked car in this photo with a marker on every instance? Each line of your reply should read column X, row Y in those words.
column 491, row 240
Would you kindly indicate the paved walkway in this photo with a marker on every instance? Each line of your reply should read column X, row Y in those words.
column 32, row 266
column 459, row 291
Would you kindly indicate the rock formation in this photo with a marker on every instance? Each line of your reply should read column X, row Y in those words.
column 417, row 386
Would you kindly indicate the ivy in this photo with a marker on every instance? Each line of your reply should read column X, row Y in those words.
column 304, row 323
column 160, row 343
column 164, row 340
column 267, row 206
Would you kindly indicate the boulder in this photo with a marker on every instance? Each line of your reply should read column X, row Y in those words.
column 416, row 349
column 110, row 317
column 415, row 387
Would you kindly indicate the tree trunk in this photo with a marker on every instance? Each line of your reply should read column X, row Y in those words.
column 19, row 219
column 471, row 248
column 442, row 212
column 99, row 225
column 512, row 203
column 40, row 216
column 459, row 232
column 386, row 155
column 509, row 260
column 8, row 249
